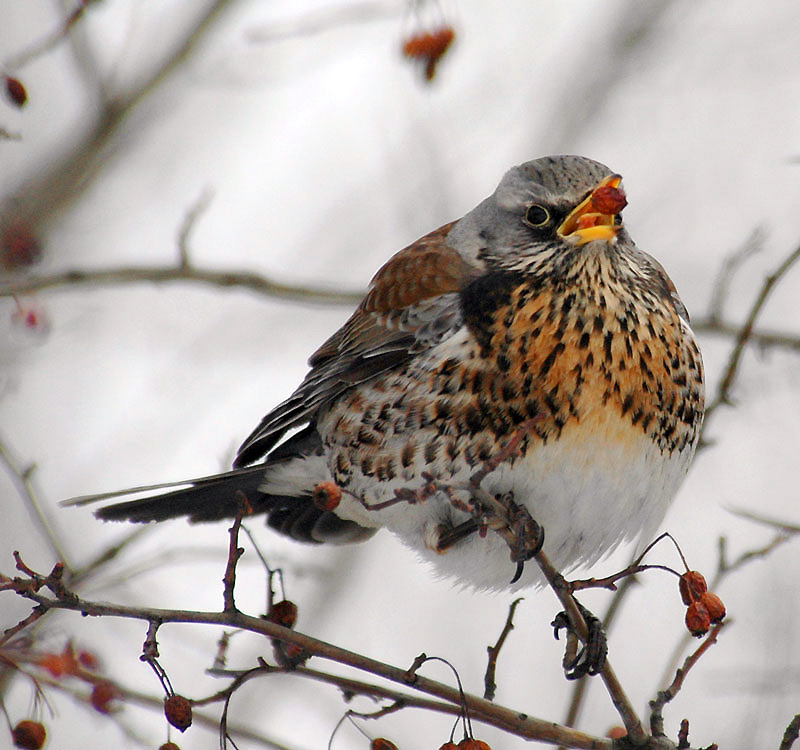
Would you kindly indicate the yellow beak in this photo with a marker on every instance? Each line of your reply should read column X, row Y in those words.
column 594, row 218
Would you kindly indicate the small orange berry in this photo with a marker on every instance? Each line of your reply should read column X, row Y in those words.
column 470, row 743
column 103, row 695
column 698, row 620
column 283, row 613
column 29, row 735
column 692, row 586
column 178, row 711
column 89, row 660
column 169, row 746
column 382, row 744
column 714, row 605
column 327, row 495
column 609, row 200
column 16, row 91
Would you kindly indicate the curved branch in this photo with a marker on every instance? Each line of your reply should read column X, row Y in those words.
column 249, row 280
column 514, row 722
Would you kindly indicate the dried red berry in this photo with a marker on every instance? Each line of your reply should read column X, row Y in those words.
column 29, row 735
column 169, row 746
column 714, row 605
column 19, row 245
column 449, row 746
column 469, row 743
column 178, row 711
column 89, row 660
column 283, row 613
column 382, row 744
column 327, row 495
column 429, row 48
column 692, row 586
column 609, row 200
column 16, row 91
column 698, row 621
column 103, row 695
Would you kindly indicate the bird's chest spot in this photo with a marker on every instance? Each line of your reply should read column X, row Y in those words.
column 567, row 359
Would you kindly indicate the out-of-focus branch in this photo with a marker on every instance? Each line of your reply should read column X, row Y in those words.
column 23, row 478
column 317, row 21
column 48, row 42
column 791, row 734
column 40, row 199
column 719, row 293
column 760, row 337
column 231, row 278
column 723, row 395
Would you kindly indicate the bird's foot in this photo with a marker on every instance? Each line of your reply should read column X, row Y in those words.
column 590, row 658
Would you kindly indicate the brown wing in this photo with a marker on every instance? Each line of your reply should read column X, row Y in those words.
column 412, row 304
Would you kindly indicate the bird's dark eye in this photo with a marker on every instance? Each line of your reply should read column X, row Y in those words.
column 537, row 216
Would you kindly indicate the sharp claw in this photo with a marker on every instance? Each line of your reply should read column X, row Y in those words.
column 518, row 573
column 591, row 657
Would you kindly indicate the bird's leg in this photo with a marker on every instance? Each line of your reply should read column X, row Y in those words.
column 591, row 657
column 514, row 523
column 451, row 535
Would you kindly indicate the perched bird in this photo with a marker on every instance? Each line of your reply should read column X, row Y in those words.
column 527, row 356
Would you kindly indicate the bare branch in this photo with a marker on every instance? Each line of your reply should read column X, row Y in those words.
column 248, row 280
column 665, row 696
column 196, row 210
column 490, row 686
column 23, row 478
column 752, row 245
column 42, row 197
column 762, row 338
column 47, row 43
column 745, row 332
column 618, row 697
column 791, row 734
column 512, row 721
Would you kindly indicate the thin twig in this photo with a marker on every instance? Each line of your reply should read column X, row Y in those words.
column 234, row 553
column 791, row 734
column 665, row 696
column 763, row 339
column 726, row 383
column 230, row 279
column 23, row 478
column 196, row 210
column 42, row 197
column 490, row 686
column 47, row 43
column 719, row 292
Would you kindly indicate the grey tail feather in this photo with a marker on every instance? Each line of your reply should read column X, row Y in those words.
column 217, row 498
column 207, row 499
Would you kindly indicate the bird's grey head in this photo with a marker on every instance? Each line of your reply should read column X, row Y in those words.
column 542, row 206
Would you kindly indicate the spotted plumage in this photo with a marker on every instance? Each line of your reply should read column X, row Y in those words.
column 533, row 319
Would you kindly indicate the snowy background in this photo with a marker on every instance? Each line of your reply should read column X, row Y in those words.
column 323, row 154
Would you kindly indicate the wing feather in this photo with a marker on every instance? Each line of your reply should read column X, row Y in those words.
column 411, row 305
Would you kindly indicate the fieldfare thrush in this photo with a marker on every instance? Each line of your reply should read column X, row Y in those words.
column 527, row 361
